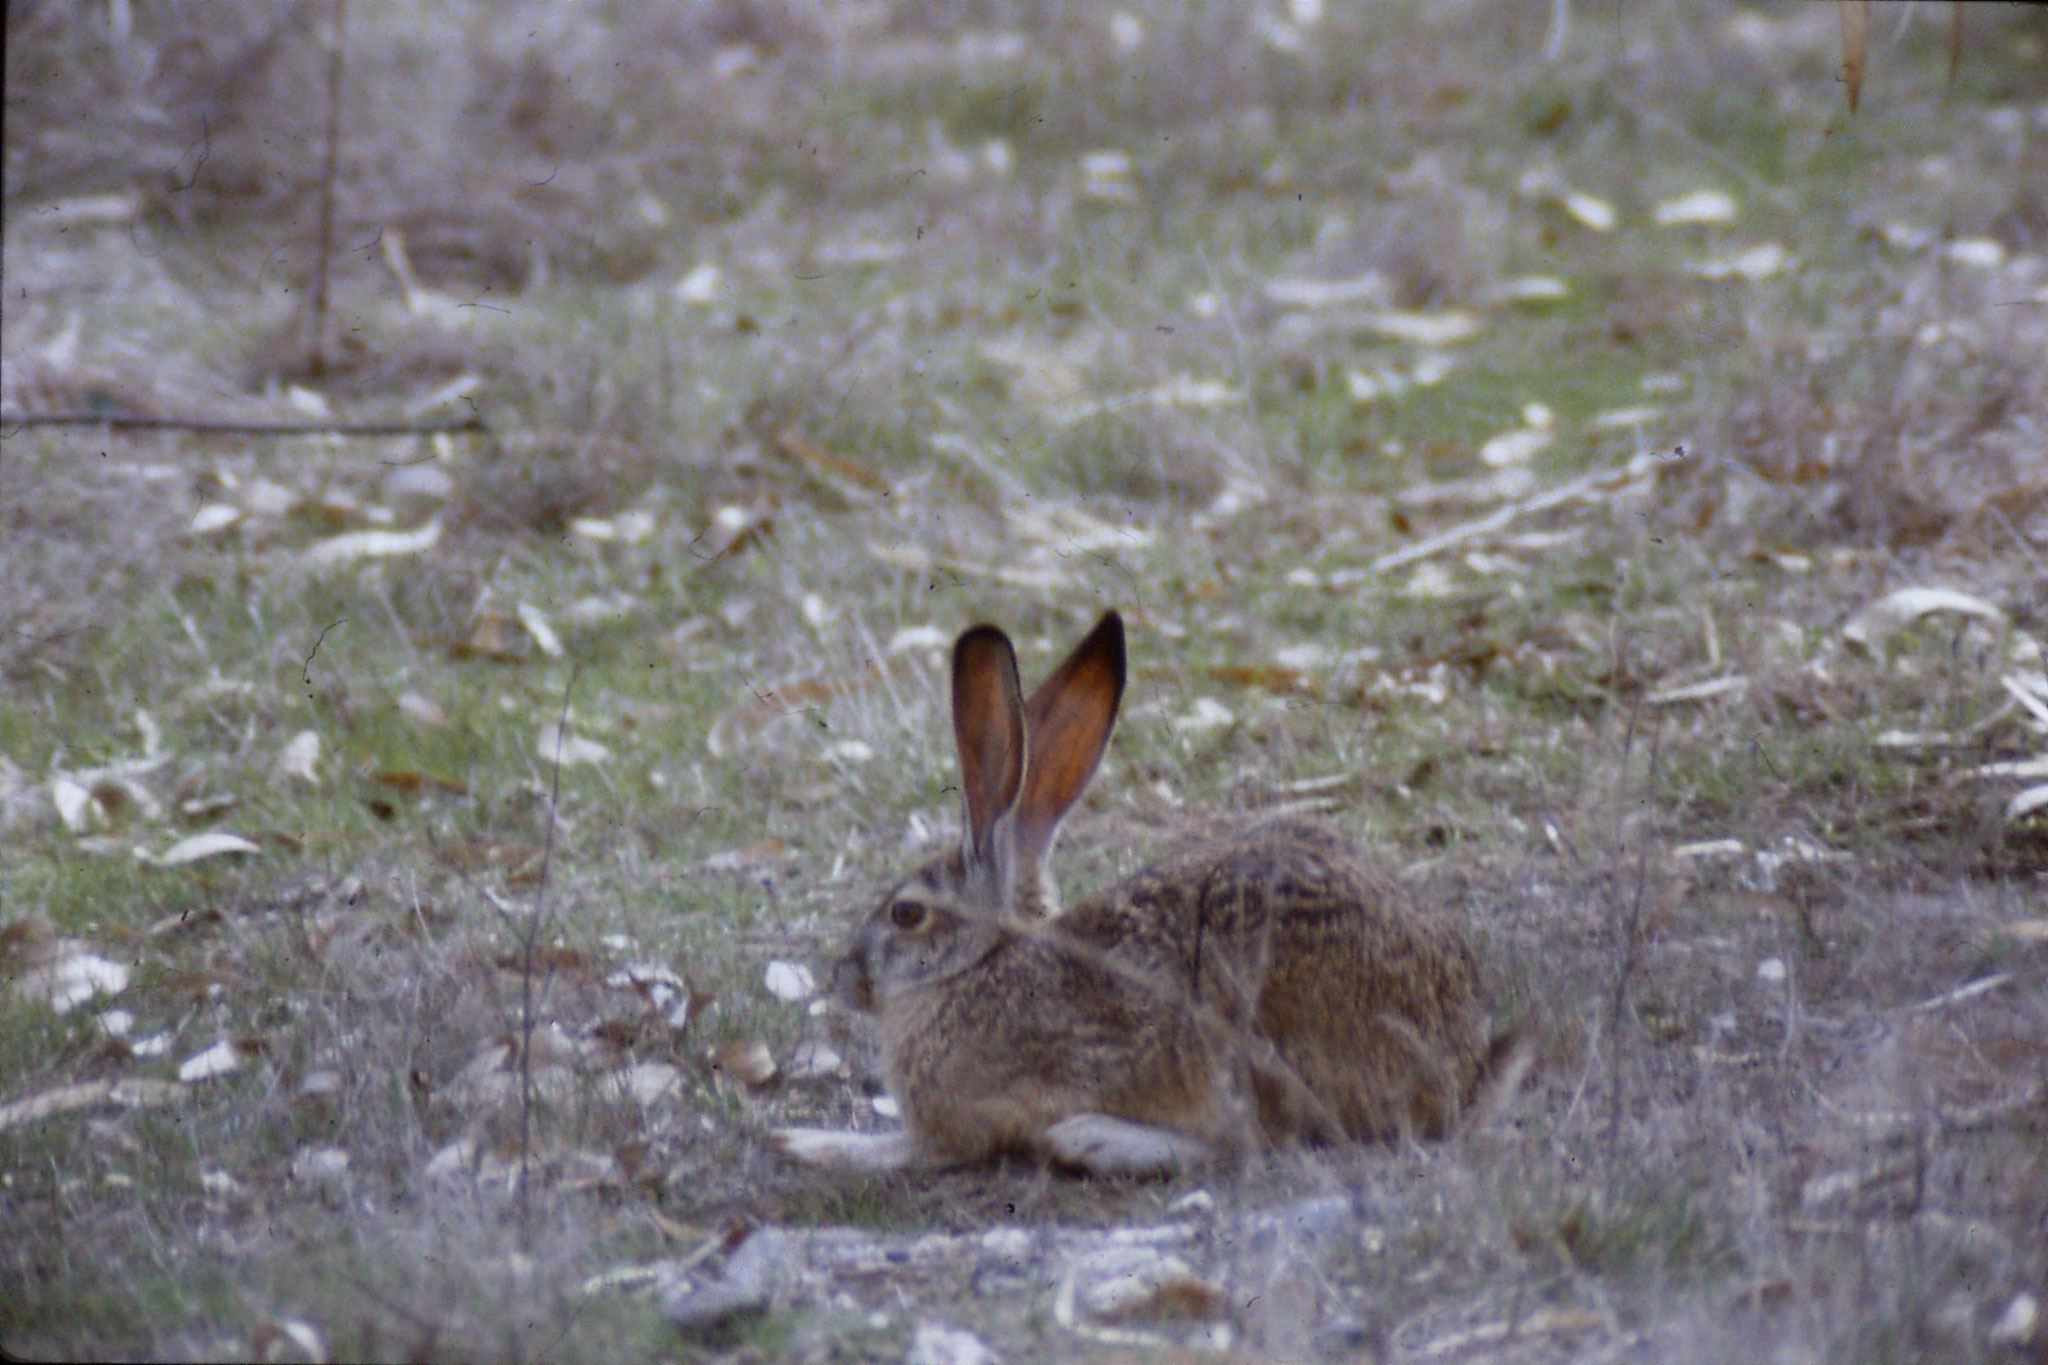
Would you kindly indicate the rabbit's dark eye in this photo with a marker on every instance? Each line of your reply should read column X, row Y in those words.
column 906, row 915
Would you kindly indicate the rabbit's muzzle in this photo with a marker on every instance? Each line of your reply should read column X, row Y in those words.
column 852, row 987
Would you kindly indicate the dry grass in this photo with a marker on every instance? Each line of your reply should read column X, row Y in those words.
column 1790, row 1103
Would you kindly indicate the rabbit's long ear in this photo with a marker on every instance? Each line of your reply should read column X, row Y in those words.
column 988, row 728
column 1068, row 720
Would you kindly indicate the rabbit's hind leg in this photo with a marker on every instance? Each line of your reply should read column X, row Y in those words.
column 1101, row 1145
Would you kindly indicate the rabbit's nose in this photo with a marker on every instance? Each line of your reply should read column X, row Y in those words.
column 850, row 985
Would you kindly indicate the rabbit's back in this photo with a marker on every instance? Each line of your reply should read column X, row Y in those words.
column 1357, row 1013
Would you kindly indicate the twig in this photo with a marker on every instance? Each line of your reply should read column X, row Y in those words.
column 526, row 952
column 1630, row 930
column 336, row 61
column 137, row 422
column 1605, row 480
column 1983, row 985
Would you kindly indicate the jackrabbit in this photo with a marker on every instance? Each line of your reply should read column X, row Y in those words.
column 1267, row 984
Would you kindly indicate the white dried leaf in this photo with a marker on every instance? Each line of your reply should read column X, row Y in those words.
column 1699, row 691
column 212, row 844
column 649, row 1083
column 1532, row 289
column 2018, row 1323
column 703, row 284
column 1424, row 329
column 791, row 981
column 73, row 802
column 916, row 637
column 421, row 711
column 1371, row 287
column 936, row 1345
column 212, row 519
column 813, row 1060
column 1755, row 263
column 2026, row 802
column 69, row 975
column 1186, row 391
column 1771, row 969
column 1515, row 447
column 373, row 545
column 218, row 1060
column 1869, row 627
column 299, row 755
column 306, row 402
column 319, row 1165
column 1983, row 253
column 303, row 1337
column 544, row 637
column 571, row 748
column 1589, row 210
column 1301, row 658
column 1701, row 206
column 1206, row 714
column 1711, row 848
column 1635, row 416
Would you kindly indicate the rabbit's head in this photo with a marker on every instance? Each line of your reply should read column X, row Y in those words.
column 1023, row 764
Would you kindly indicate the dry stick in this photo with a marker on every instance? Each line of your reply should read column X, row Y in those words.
column 1604, row 480
column 526, row 951
column 1631, row 935
column 128, row 421
column 335, row 65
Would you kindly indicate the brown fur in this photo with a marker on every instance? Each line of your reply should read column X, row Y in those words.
column 1269, row 985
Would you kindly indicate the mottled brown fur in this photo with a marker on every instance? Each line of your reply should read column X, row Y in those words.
column 1268, row 985
column 1273, row 966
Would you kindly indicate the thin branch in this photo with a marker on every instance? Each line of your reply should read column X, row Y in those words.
column 137, row 422
column 526, row 953
column 335, row 66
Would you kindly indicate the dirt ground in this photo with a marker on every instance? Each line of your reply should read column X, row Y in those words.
column 486, row 492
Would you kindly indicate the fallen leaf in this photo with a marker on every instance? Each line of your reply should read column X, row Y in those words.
column 220, row 1059
column 1755, row 263
column 299, row 755
column 1699, row 691
column 1589, row 210
column 791, row 981
column 65, row 973
column 536, row 624
column 814, row 1060
column 373, row 545
column 1700, row 206
column 73, row 802
column 212, row 519
column 212, row 844
column 1515, row 447
column 1424, row 329
column 1871, row 626
column 751, row 1064
column 2026, row 802
column 571, row 749
column 61, row 1100
column 1371, row 287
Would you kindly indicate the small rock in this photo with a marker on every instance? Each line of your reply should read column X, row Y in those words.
column 936, row 1345
column 1137, row 1284
column 747, row 1286
column 2018, row 1323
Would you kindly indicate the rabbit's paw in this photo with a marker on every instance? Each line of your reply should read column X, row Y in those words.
column 1102, row 1145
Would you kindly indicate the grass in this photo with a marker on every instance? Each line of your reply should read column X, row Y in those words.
column 936, row 382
